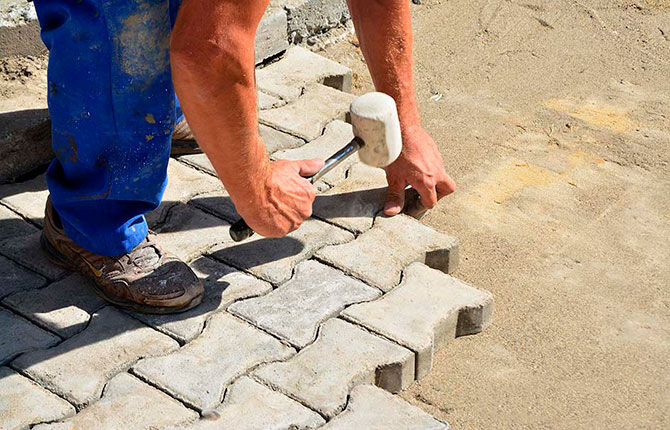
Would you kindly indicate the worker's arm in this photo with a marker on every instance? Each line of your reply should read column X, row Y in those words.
column 384, row 30
column 212, row 59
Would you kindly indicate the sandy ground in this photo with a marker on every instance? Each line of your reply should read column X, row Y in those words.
column 554, row 119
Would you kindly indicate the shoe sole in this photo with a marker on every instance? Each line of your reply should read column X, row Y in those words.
column 58, row 259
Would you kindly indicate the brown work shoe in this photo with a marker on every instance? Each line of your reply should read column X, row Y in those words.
column 146, row 279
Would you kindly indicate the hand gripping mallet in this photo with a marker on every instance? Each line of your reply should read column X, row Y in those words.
column 377, row 139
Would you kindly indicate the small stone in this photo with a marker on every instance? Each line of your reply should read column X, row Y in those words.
column 308, row 115
column 274, row 259
column 372, row 408
column 78, row 368
column 15, row 278
column 321, row 375
column 249, row 405
column 64, row 307
column 127, row 403
column 188, row 232
column 200, row 371
column 13, row 225
column 24, row 403
column 28, row 198
column 27, row 251
column 19, row 336
column 294, row 311
column 379, row 255
column 426, row 311
column 223, row 286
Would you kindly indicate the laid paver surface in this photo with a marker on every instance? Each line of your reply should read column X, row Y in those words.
column 319, row 328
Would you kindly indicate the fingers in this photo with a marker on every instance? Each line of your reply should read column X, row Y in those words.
column 395, row 199
column 309, row 167
column 428, row 196
column 445, row 187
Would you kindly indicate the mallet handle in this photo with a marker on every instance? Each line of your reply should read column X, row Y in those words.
column 240, row 231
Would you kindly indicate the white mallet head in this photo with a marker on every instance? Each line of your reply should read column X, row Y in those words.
column 375, row 120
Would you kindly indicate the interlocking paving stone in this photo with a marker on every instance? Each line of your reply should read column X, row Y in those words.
column 271, row 35
column 127, row 403
column 226, row 349
column 309, row 17
column 24, row 403
column 321, row 375
column 353, row 203
column 12, row 225
column 249, row 405
column 374, row 409
column 188, row 232
column 294, row 311
column 78, row 368
column 308, row 115
column 15, row 278
column 380, row 254
column 27, row 198
column 19, row 335
column 26, row 250
column 274, row 259
column 64, row 307
column 424, row 312
column 217, row 203
column 266, row 101
column 184, row 182
column 223, row 286
column 287, row 77
column 336, row 135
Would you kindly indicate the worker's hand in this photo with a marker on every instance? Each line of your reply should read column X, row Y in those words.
column 419, row 165
column 285, row 198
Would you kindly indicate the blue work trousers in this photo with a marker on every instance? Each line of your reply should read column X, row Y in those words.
column 113, row 109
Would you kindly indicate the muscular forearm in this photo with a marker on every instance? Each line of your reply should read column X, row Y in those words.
column 384, row 30
column 212, row 59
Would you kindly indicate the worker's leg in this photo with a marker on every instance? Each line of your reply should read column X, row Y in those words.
column 111, row 102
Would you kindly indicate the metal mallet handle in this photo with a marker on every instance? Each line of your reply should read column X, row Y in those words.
column 240, row 231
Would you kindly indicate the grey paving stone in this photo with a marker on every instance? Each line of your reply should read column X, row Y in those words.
column 249, row 405
column 217, row 203
column 308, row 115
column 276, row 140
column 274, row 259
column 64, row 307
column 353, row 203
column 287, row 77
column 127, row 403
column 26, row 250
column 19, row 336
column 27, row 198
column 223, row 286
column 424, row 311
column 294, row 311
column 336, row 135
column 15, row 278
column 374, row 409
column 188, row 232
column 271, row 35
column 78, row 368
column 266, row 101
column 12, row 225
column 184, row 182
column 379, row 255
column 24, row 403
column 309, row 17
column 321, row 375
column 200, row 371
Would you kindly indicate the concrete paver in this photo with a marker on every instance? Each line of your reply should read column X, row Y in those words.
column 19, row 335
column 223, row 285
column 294, row 311
column 249, row 405
column 425, row 312
column 380, row 254
column 127, row 403
column 271, row 35
column 26, row 250
column 15, row 278
column 308, row 17
column 12, row 225
column 321, row 375
column 78, row 368
column 64, row 307
column 24, row 403
column 374, row 409
column 27, row 198
column 200, row 371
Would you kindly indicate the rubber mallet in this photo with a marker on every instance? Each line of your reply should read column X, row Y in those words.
column 374, row 119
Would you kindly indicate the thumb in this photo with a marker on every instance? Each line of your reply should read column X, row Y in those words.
column 395, row 200
column 309, row 167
